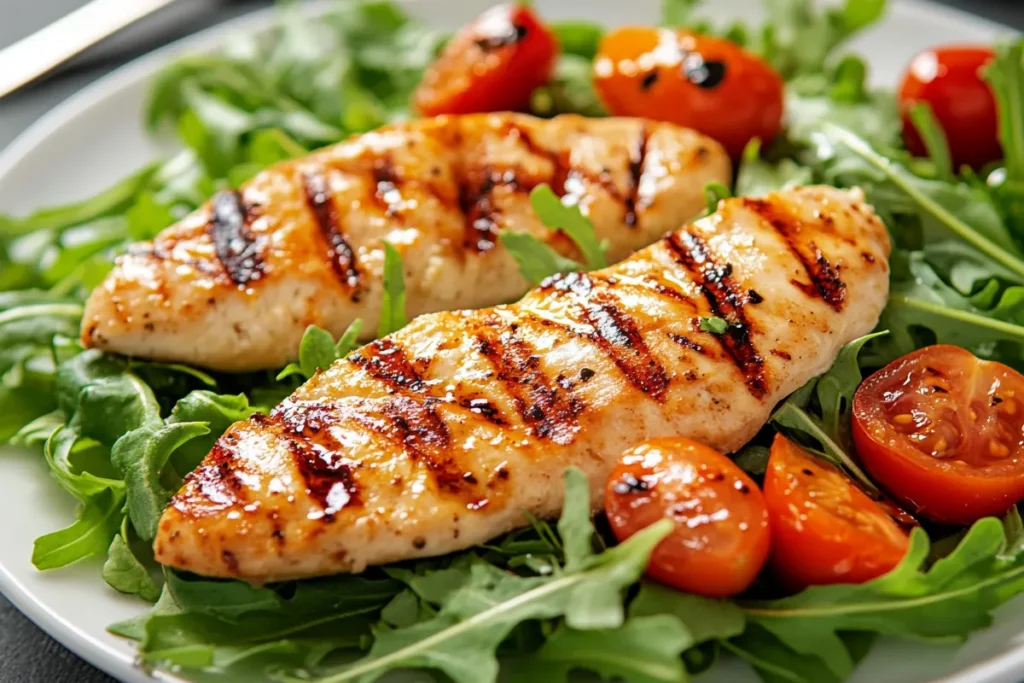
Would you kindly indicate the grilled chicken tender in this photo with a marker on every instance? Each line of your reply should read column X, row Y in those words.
column 437, row 437
column 234, row 286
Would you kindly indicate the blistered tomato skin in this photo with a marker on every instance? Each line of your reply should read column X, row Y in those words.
column 949, row 80
column 493, row 64
column 721, row 538
column 701, row 82
column 943, row 431
column 825, row 530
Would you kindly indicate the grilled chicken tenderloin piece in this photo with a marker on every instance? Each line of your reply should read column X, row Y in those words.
column 435, row 438
column 234, row 286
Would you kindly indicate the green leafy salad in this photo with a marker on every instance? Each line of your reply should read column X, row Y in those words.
column 120, row 435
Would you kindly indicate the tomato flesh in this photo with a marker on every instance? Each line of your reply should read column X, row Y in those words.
column 701, row 82
column 721, row 538
column 825, row 529
column 949, row 79
column 943, row 431
column 493, row 64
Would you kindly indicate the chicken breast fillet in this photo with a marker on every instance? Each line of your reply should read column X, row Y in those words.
column 234, row 286
column 437, row 437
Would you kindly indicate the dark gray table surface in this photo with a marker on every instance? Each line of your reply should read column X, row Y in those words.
column 27, row 655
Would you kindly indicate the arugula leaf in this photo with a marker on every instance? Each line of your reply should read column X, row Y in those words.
column 89, row 536
column 461, row 640
column 1005, row 73
column 757, row 176
column 677, row 12
column 580, row 38
column 705, row 619
column 798, row 39
column 392, row 312
column 952, row 598
column 141, row 457
column 714, row 325
column 643, row 650
column 217, row 412
column 124, row 572
column 537, row 261
column 318, row 350
column 930, row 130
column 571, row 90
column 714, row 192
column 987, row 234
column 830, row 397
column 570, row 220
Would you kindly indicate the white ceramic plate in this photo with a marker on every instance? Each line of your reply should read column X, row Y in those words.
column 96, row 137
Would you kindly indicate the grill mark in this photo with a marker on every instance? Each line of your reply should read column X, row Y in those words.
column 425, row 437
column 619, row 337
column 637, row 160
column 544, row 407
column 726, row 302
column 688, row 343
column 386, row 183
column 387, row 363
column 477, row 206
column 477, row 188
column 339, row 252
column 826, row 283
column 616, row 333
column 215, row 481
column 233, row 241
column 327, row 475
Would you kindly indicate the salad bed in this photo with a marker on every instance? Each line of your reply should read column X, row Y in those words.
column 119, row 434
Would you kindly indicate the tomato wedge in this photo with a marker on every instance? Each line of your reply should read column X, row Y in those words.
column 493, row 64
column 721, row 538
column 943, row 431
column 701, row 82
column 825, row 529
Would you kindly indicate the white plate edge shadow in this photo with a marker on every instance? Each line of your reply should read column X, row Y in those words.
column 105, row 653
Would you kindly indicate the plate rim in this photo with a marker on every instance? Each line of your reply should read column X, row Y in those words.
column 120, row 664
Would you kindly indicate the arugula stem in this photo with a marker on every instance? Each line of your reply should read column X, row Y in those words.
column 71, row 311
column 1013, row 332
column 831, row 447
column 886, row 606
column 457, row 629
column 961, row 229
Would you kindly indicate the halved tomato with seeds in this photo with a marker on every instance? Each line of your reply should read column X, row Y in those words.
column 825, row 529
column 943, row 431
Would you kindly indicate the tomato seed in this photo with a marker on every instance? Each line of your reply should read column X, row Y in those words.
column 997, row 449
column 904, row 419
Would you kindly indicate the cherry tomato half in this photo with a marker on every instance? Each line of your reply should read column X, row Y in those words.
column 825, row 529
column 943, row 431
column 705, row 83
column 949, row 79
column 720, row 541
column 493, row 64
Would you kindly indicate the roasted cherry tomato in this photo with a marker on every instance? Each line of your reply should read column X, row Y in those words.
column 825, row 529
column 949, row 79
column 720, row 541
column 944, row 432
column 701, row 82
column 493, row 64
